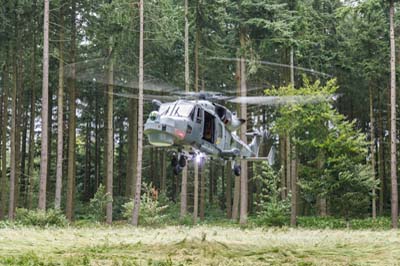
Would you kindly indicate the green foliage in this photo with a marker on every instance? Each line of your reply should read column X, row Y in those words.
column 331, row 151
column 310, row 222
column 40, row 218
column 272, row 210
column 152, row 210
column 98, row 204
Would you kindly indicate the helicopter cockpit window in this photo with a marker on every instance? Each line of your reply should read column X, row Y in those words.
column 183, row 110
column 165, row 108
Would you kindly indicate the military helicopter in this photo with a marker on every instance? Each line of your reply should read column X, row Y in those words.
column 203, row 127
column 195, row 125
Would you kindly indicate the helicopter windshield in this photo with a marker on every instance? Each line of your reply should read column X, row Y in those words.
column 165, row 108
column 183, row 109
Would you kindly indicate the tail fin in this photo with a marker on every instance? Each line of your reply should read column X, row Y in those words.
column 258, row 136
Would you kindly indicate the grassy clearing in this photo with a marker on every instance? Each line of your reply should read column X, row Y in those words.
column 200, row 245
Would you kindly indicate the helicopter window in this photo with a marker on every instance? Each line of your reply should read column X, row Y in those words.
column 199, row 115
column 184, row 110
column 164, row 108
column 208, row 131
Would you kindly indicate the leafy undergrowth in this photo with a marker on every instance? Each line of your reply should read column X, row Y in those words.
column 197, row 245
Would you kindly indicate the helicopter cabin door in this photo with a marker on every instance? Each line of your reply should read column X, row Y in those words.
column 209, row 127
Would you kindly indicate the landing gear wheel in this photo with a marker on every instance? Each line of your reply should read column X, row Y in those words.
column 174, row 161
column 177, row 170
column 237, row 169
column 182, row 161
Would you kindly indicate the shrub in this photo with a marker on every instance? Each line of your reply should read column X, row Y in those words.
column 40, row 218
column 98, row 203
column 272, row 210
column 151, row 211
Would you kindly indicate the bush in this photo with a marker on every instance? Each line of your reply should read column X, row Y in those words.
column 98, row 203
column 321, row 222
column 151, row 211
column 380, row 223
column 272, row 210
column 40, row 218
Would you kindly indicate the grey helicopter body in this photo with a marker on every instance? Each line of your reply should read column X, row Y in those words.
column 199, row 126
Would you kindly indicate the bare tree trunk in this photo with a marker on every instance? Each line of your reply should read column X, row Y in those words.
column 243, row 129
column 110, row 136
column 372, row 148
column 393, row 116
column 236, row 199
column 97, row 146
column 293, row 209
column 132, row 149
column 236, row 193
column 321, row 200
column 32, row 125
column 185, row 172
column 60, row 116
column 72, row 125
column 202, row 189
column 163, row 187
column 4, row 117
column 45, row 110
column 282, row 155
column 292, row 65
column 288, row 165
column 135, row 214
column 228, row 173
column 381, row 162
column 11, row 208
column 196, row 192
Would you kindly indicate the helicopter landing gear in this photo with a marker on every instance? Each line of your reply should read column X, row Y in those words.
column 178, row 162
column 236, row 169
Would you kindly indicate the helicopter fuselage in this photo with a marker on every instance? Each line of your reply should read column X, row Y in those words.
column 201, row 126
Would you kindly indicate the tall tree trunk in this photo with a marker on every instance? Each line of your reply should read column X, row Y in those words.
column 393, row 116
column 72, row 124
column 13, row 147
column 132, row 149
column 292, row 65
column 120, row 156
column 86, row 179
column 293, row 209
column 288, row 165
column 381, row 162
column 45, row 110
column 135, row 214
column 110, row 135
column 163, row 187
column 211, row 182
column 372, row 148
column 243, row 129
column 196, row 192
column 321, row 200
column 196, row 162
column 228, row 173
column 236, row 193
column 202, row 189
column 4, row 117
column 97, row 159
column 32, row 122
column 185, row 171
column 24, row 181
column 282, row 155
column 60, row 115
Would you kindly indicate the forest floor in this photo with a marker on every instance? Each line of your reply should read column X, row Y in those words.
column 198, row 245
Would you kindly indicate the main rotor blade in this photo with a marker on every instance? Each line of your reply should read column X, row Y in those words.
column 282, row 100
column 263, row 62
column 146, row 97
column 96, row 70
